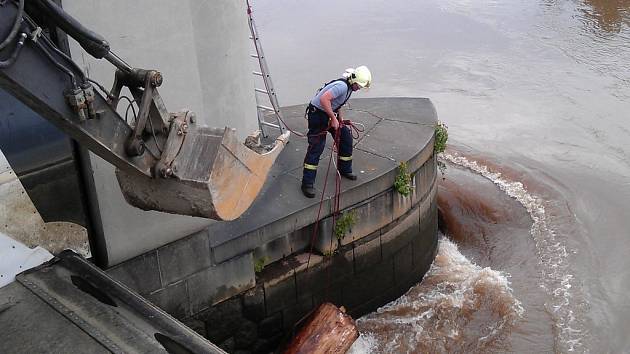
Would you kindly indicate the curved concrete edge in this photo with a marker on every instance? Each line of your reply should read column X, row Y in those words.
column 209, row 276
column 381, row 210
column 413, row 119
column 361, row 276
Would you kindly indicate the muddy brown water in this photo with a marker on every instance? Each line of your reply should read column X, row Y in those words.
column 536, row 94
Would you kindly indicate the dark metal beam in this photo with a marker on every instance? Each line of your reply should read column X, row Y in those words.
column 39, row 84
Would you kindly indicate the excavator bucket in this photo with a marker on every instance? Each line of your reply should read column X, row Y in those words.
column 200, row 171
column 213, row 176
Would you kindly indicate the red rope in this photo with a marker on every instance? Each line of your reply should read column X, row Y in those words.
column 355, row 132
column 355, row 128
column 336, row 204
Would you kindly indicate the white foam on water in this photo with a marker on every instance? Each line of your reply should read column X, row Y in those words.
column 557, row 279
column 366, row 343
column 459, row 306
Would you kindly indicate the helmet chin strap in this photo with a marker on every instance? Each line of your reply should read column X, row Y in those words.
column 351, row 78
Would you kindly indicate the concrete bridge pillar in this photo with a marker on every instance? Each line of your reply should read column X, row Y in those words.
column 202, row 49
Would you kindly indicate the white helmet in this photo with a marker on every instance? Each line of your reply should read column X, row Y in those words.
column 360, row 75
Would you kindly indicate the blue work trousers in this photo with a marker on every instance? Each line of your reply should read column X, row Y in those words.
column 317, row 124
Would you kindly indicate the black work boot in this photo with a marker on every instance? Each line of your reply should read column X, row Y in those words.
column 349, row 175
column 308, row 190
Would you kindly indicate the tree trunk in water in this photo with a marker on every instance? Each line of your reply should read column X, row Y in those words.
column 328, row 330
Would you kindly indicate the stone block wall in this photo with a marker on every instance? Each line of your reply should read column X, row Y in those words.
column 181, row 279
column 216, row 291
column 361, row 275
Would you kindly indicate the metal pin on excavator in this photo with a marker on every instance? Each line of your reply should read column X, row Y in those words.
column 164, row 161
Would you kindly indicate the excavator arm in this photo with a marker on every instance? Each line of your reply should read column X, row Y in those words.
column 164, row 161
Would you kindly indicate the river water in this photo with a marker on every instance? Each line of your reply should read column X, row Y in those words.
column 534, row 203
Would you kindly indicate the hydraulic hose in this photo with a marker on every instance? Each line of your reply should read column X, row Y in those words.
column 52, row 46
column 92, row 42
column 16, row 26
column 57, row 64
column 15, row 53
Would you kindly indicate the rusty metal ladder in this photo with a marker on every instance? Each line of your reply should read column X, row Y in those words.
column 272, row 108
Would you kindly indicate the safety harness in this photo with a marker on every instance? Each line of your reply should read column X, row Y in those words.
column 312, row 108
column 337, row 196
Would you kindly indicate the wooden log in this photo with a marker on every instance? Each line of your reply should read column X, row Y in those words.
column 328, row 330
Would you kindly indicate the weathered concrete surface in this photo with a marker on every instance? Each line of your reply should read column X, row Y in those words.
column 396, row 130
column 360, row 276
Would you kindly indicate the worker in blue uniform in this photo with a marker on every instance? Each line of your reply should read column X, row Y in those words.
column 324, row 115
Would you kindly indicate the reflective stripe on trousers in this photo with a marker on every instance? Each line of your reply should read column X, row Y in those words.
column 317, row 123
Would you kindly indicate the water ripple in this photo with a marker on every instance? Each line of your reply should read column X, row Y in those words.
column 558, row 282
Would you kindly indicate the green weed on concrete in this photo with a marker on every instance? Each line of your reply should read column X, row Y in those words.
column 344, row 223
column 259, row 264
column 441, row 137
column 402, row 183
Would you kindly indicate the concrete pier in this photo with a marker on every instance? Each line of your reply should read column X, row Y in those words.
column 245, row 284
